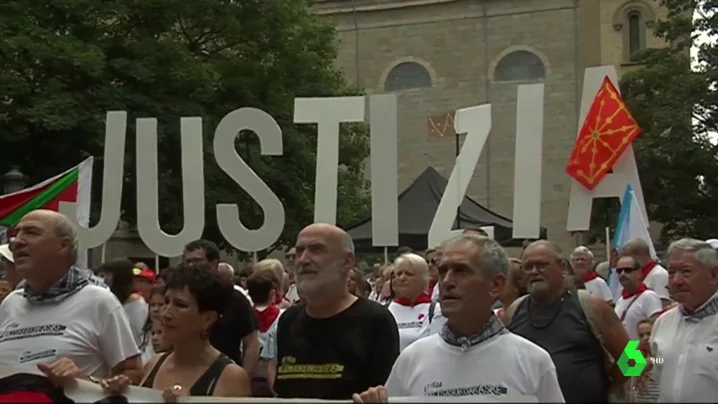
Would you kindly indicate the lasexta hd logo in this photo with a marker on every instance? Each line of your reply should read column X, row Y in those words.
column 632, row 362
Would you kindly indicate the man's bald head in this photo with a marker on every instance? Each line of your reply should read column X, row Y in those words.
column 226, row 271
column 545, row 244
column 333, row 233
column 44, row 247
column 62, row 226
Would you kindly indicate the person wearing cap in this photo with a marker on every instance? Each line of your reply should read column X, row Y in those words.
column 6, row 264
column 145, row 280
column 10, row 275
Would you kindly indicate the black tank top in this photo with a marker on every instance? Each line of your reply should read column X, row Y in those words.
column 204, row 386
column 562, row 329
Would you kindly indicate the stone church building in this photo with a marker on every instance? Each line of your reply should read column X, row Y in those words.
column 441, row 55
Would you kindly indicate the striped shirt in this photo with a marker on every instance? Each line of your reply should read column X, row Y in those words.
column 651, row 393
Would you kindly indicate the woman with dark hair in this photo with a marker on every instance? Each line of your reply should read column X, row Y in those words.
column 195, row 296
column 119, row 276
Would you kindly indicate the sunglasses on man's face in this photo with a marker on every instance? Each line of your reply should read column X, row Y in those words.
column 626, row 270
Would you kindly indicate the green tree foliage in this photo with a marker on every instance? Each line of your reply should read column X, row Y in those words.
column 64, row 63
column 674, row 98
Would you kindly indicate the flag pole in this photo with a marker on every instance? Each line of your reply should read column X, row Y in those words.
column 254, row 257
column 457, row 151
column 157, row 263
column 608, row 245
column 103, row 252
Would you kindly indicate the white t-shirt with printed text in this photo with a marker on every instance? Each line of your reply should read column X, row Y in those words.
column 506, row 364
column 413, row 322
column 646, row 304
column 89, row 327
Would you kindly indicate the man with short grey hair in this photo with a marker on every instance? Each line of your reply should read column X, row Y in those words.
column 351, row 343
column 652, row 274
column 61, row 322
column 473, row 355
column 685, row 337
column 582, row 264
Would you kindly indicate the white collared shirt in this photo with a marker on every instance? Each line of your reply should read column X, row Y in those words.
column 689, row 351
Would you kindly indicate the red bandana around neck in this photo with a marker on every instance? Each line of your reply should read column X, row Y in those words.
column 640, row 289
column 590, row 276
column 646, row 269
column 266, row 317
column 422, row 298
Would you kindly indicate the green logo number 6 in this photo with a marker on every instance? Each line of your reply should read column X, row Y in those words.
column 631, row 352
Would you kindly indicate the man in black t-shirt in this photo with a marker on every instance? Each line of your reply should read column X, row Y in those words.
column 235, row 334
column 333, row 344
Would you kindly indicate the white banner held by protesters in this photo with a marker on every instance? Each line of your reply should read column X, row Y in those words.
column 87, row 392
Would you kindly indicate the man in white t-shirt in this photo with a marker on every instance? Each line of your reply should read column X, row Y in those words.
column 637, row 302
column 61, row 322
column 652, row 273
column 582, row 264
column 685, row 337
column 474, row 355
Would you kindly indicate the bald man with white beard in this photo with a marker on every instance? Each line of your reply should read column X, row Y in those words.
column 349, row 343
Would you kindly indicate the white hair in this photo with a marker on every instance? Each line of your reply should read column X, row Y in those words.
column 582, row 250
column 417, row 263
column 65, row 228
column 706, row 255
column 228, row 266
column 494, row 259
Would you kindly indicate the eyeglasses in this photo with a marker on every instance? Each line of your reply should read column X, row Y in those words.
column 626, row 270
column 539, row 265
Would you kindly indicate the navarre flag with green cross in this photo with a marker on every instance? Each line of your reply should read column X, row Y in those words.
column 74, row 185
